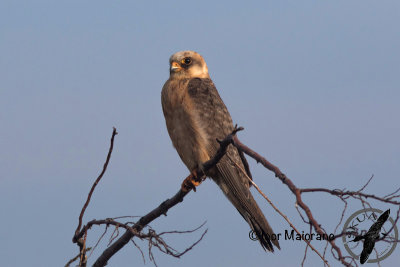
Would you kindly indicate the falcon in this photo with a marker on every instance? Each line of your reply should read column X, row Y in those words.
column 196, row 117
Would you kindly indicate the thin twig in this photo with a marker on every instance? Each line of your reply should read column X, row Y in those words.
column 75, row 258
column 166, row 205
column 276, row 209
column 114, row 133
column 155, row 240
column 349, row 193
column 296, row 191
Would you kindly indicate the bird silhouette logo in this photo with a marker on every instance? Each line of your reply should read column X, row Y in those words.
column 371, row 236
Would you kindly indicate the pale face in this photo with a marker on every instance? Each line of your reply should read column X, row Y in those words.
column 187, row 64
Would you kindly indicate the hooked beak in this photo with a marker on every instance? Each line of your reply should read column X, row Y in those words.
column 175, row 67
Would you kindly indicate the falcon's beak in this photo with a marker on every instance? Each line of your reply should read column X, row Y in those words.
column 175, row 67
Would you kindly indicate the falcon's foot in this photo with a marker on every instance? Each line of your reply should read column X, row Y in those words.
column 191, row 182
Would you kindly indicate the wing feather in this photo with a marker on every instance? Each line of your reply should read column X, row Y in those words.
column 214, row 118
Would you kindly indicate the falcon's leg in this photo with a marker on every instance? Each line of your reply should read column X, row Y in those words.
column 191, row 181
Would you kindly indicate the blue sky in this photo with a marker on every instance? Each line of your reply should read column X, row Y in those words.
column 315, row 84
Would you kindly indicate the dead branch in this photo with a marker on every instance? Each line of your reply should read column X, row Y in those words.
column 278, row 211
column 135, row 229
column 339, row 193
column 145, row 220
column 82, row 242
column 75, row 258
column 114, row 133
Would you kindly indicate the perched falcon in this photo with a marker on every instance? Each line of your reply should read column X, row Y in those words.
column 196, row 116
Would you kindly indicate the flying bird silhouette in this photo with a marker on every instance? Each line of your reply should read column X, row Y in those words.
column 196, row 117
column 371, row 236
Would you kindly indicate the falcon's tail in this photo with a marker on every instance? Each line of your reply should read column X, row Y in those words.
column 235, row 186
column 262, row 229
column 264, row 235
column 251, row 212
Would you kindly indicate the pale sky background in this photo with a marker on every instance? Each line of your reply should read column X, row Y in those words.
column 314, row 83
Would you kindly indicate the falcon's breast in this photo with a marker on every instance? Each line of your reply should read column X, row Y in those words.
column 184, row 124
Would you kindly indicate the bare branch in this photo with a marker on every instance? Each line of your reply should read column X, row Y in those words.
column 343, row 195
column 75, row 258
column 292, row 188
column 277, row 210
column 166, row 205
column 135, row 229
column 114, row 133
column 337, row 192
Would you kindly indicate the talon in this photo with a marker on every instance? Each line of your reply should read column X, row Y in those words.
column 191, row 182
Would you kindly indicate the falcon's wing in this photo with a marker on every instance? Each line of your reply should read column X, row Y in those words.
column 213, row 117
column 213, row 114
column 215, row 120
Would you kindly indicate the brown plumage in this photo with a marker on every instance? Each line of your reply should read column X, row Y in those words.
column 196, row 116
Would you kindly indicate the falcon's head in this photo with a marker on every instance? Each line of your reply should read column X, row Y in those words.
column 187, row 64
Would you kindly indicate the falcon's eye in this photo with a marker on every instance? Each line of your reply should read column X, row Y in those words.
column 187, row 60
